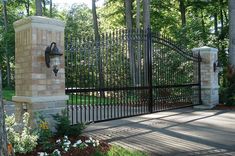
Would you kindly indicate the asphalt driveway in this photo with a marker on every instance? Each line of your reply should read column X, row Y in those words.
column 177, row 132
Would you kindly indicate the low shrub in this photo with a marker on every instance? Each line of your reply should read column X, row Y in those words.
column 22, row 138
column 63, row 126
column 44, row 132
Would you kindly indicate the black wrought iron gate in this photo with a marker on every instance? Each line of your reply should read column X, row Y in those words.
column 127, row 73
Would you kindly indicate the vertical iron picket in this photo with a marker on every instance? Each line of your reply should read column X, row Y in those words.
column 199, row 79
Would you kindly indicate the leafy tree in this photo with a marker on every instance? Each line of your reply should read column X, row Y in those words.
column 79, row 21
column 112, row 15
column 7, row 42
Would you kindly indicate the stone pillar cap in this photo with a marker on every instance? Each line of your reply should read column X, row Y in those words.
column 28, row 99
column 38, row 21
column 205, row 49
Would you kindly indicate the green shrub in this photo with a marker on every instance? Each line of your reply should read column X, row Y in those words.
column 222, row 94
column 44, row 132
column 227, row 94
column 20, row 136
column 63, row 126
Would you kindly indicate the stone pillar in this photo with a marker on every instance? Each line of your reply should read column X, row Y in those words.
column 209, row 77
column 37, row 88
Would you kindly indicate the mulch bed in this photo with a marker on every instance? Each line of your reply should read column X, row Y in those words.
column 87, row 151
column 224, row 107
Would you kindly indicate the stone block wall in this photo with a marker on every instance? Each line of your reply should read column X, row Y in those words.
column 32, row 37
column 209, row 77
column 37, row 87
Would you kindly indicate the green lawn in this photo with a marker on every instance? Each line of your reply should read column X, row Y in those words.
column 78, row 99
column 94, row 100
column 119, row 151
column 81, row 99
column 7, row 94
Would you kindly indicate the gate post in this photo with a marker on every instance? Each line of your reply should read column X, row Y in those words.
column 37, row 89
column 209, row 77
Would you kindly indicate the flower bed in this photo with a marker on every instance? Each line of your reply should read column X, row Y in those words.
column 72, row 146
column 41, row 141
column 66, row 141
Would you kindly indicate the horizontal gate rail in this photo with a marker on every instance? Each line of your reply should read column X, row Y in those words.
column 76, row 90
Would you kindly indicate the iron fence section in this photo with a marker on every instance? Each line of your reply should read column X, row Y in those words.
column 128, row 73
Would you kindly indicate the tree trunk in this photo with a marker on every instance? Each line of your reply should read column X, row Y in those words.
column 50, row 8
column 44, row 7
column 97, row 41
column 226, row 17
column 204, row 35
column 216, row 24
column 128, row 13
column 8, row 67
column 138, row 14
column 138, row 69
column 129, row 25
column 182, row 12
column 232, row 32
column 3, row 135
column 6, row 48
column 146, row 10
column 221, row 19
column 95, row 22
column 27, row 7
column 38, row 7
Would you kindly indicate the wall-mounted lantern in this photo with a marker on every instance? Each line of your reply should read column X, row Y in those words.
column 217, row 66
column 52, row 57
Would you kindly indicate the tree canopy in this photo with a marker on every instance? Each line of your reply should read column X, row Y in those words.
column 192, row 23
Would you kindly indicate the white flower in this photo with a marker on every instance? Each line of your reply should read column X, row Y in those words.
column 58, row 141
column 56, row 151
column 79, row 142
column 76, row 144
column 67, row 143
column 97, row 142
column 66, row 137
column 42, row 154
column 87, row 141
column 66, row 149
